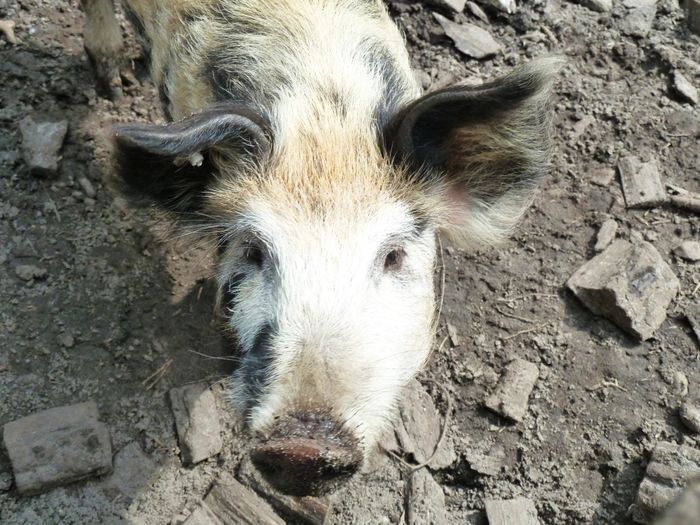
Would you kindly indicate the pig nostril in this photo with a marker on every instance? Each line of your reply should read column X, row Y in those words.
column 302, row 466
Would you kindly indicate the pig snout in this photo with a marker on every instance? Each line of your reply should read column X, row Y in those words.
column 307, row 454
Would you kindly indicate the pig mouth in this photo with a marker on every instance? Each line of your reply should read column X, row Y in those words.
column 308, row 454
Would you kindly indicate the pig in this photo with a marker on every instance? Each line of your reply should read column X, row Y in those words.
column 298, row 140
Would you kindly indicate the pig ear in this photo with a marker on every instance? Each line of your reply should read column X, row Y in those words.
column 486, row 146
column 171, row 165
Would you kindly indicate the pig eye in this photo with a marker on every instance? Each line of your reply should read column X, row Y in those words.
column 394, row 260
column 253, row 254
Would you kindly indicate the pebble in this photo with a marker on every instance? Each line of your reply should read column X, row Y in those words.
column 133, row 471
column 516, row 511
column 513, row 389
column 196, row 422
column 690, row 416
column 29, row 272
column 684, row 89
column 469, row 39
column 693, row 315
column 230, row 503
column 455, row 339
column 487, row 462
column 57, row 446
column 7, row 28
column 688, row 250
column 307, row 509
column 425, row 500
column 630, row 284
column 41, row 144
column 641, row 183
column 87, row 187
column 5, row 481
column 671, row 468
column 419, row 427
column 606, row 235
column 477, row 12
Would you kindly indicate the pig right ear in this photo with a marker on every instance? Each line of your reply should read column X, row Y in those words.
column 171, row 165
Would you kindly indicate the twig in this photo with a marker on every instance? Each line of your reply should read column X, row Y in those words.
column 513, row 316
column 442, row 280
column 613, row 383
column 156, row 376
column 517, row 298
column 526, row 331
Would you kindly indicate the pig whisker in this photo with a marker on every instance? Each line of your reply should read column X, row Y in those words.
column 221, row 358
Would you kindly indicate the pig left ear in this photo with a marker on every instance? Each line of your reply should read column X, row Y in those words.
column 485, row 146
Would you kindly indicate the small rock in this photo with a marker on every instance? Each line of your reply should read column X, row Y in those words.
column 477, row 12
column 454, row 6
column 486, row 462
column 133, row 471
column 639, row 18
column 7, row 28
column 513, row 390
column 516, row 511
column 230, row 503
column 692, row 13
column 641, row 183
column 41, row 143
column 685, row 510
column 688, row 250
column 693, row 315
column 29, row 272
column 87, row 187
column 418, row 430
column 507, row 6
column 675, row 378
column 425, row 500
column 690, row 416
column 601, row 6
column 603, row 177
column 630, row 284
column 684, row 89
column 469, row 39
column 307, row 509
column 57, row 446
column 606, row 235
column 671, row 468
column 66, row 340
column 5, row 481
column 196, row 421
column 453, row 335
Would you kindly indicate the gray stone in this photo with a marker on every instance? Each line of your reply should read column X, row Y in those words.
column 425, row 500
column 453, row 335
column 507, row 6
column 477, row 12
column 5, row 481
column 230, row 503
column 58, row 446
column 307, row 509
column 196, row 421
column 513, row 389
column 41, row 144
column 87, row 187
column 693, row 315
column 685, row 510
column 516, row 511
column 672, row 467
column 630, row 284
column 601, row 6
column 418, row 430
column 688, row 250
column 692, row 14
column 690, row 416
column 29, row 272
column 455, row 6
column 133, row 471
column 487, row 461
column 639, row 18
column 469, row 39
column 684, row 89
column 641, row 183
column 606, row 235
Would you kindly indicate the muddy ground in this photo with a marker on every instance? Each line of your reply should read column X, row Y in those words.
column 122, row 296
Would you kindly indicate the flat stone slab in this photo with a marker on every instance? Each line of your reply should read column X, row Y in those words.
column 671, row 469
column 516, row 511
column 630, row 284
column 133, row 472
column 513, row 389
column 41, row 144
column 641, row 183
column 425, row 500
column 230, row 503
column 639, row 18
column 196, row 422
column 419, row 426
column 57, row 446
column 469, row 38
column 307, row 509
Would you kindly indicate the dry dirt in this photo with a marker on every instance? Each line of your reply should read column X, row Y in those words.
column 121, row 298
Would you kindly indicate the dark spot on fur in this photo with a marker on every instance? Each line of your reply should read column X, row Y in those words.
column 231, row 289
column 261, row 343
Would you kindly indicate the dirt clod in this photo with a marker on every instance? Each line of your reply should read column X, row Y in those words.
column 513, row 390
column 57, row 446
column 41, row 144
